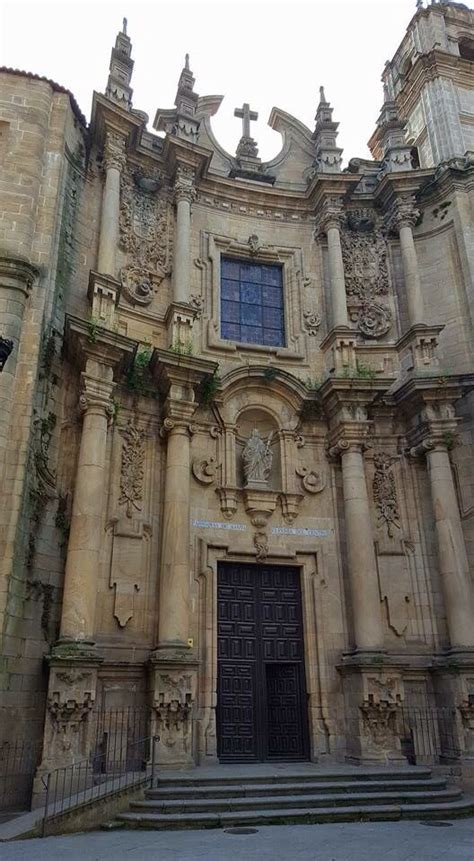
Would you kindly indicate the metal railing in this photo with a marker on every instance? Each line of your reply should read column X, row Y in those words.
column 429, row 735
column 128, row 765
column 18, row 763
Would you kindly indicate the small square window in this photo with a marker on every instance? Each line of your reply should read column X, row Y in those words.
column 252, row 303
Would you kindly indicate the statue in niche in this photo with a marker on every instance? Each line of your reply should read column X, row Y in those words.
column 257, row 459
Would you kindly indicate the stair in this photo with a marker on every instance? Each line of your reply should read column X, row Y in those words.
column 310, row 795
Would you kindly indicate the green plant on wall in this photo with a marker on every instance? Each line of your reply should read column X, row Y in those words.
column 183, row 348
column 209, row 388
column 137, row 377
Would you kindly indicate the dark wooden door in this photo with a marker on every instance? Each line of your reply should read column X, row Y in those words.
column 261, row 700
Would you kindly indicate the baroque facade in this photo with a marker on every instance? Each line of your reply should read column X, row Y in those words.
column 236, row 432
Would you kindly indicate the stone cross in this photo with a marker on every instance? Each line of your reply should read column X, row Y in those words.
column 245, row 114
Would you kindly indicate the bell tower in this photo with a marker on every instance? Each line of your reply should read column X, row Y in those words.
column 431, row 81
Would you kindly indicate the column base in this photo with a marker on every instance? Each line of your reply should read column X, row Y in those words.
column 455, row 685
column 173, row 684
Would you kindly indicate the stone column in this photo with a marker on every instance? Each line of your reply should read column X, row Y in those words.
column 403, row 217
column 367, row 615
column 329, row 223
column 114, row 160
column 175, row 566
column 453, row 561
column 184, row 193
column 86, row 535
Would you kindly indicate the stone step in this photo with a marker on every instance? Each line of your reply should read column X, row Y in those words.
column 245, row 789
column 404, row 773
column 348, row 813
column 292, row 801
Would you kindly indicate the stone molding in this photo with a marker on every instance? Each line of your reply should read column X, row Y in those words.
column 17, row 274
column 331, row 215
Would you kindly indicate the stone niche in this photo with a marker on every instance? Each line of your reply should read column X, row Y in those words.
column 267, row 426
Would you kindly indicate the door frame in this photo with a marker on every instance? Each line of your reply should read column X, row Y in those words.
column 315, row 610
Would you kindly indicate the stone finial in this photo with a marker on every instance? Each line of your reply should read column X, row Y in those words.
column 328, row 156
column 419, row 4
column 118, row 88
column 181, row 122
column 394, row 150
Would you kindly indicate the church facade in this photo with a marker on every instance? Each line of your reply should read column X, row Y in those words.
column 236, row 434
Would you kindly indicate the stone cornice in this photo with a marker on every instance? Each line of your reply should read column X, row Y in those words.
column 107, row 116
column 172, row 370
column 83, row 342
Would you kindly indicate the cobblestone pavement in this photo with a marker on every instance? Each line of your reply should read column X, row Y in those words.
column 390, row 841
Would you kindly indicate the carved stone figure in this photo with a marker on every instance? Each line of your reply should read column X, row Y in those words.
column 257, row 459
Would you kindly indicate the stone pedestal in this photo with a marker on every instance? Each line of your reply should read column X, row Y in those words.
column 417, row 349
column 373, row 700
column 103, row 295
column 173, row 697
column 69, row 728
column 339, row 351
column 179, row 322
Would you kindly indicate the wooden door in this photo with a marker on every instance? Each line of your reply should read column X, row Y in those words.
column 261, row 707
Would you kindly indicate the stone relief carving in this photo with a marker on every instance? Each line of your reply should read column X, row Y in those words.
column 260, row 540
column 72, row 677
column 205, row 471
column 385, row 493
column 145, row 234
column 364, row 253
column 257, row 459
column 68, row 714
column 131, row 476
column 312, row 322
column 172, row 704
column 197, row 302
column 373, row 320
column 312, row 481
column 380, row 714
column 254, row 244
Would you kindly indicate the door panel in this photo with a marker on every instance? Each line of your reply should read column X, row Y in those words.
column 261, row 711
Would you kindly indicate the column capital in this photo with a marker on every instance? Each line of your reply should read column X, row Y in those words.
column 17, row 274
column 114, row 151
column 349, row 439
column 402, row 213
column 329, row 215
column 184, row 184
column 96, row 396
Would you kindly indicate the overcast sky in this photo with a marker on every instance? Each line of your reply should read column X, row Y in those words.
column 266, row 53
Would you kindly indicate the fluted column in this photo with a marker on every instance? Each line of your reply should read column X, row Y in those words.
column 452, row 555
column 329, row 223
column 114, row 160
column 175, row 564
column 184, row 194
column 361, row 560
column 86, row 534
column 403, row 218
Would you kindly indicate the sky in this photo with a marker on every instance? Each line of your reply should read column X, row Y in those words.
column 262, row 52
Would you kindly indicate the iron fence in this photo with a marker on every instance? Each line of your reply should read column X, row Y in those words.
column 429, row 736
column 131, row 765
column 18, row 763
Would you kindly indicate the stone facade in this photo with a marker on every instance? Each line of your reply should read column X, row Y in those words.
column 126, row 469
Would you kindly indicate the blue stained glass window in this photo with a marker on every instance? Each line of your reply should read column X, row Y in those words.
column 252, row 303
